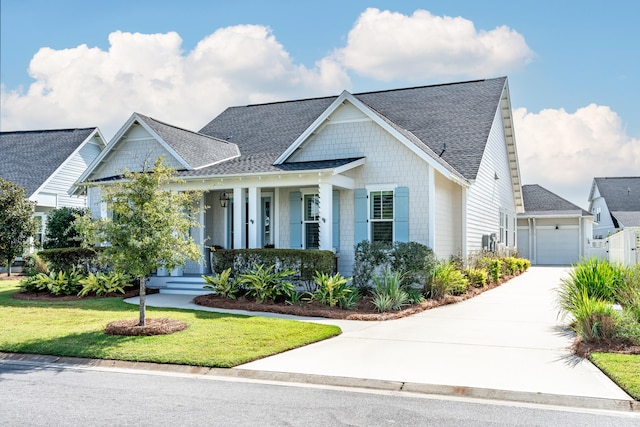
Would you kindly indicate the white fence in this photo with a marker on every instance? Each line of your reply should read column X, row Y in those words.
column 624, row 246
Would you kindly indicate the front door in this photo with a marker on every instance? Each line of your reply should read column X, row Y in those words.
column 265, row 226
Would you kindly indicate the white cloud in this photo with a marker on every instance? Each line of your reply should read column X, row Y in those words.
column 150, row 74
column 564, row 151
column 389, row 45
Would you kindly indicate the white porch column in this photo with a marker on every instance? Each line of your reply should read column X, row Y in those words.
column 254, row 217
column 431, row 197
column 239, row 218
column 326, row 216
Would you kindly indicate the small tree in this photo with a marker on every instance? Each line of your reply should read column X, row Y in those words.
column 61, row 232
column 150, row 225
column 17, row 223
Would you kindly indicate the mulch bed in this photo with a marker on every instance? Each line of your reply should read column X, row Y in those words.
column 365, row 310
column 584, row 349
column 156, row 326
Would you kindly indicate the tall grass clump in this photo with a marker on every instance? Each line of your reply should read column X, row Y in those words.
column 446, row 279
column 388, row 292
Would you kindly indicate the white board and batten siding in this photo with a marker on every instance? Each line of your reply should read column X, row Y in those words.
column 448, row 218
column 487, row 196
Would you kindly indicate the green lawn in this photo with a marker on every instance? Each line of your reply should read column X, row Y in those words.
column 212, row 339
column 624, row 369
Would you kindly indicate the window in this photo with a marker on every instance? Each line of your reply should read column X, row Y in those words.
column 311, row 221
column 39, row 237
column 501, row 235
column 381, row 216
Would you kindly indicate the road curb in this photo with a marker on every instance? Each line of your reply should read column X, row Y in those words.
column 362, row 383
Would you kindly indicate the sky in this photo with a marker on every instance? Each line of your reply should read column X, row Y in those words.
column 572, row 66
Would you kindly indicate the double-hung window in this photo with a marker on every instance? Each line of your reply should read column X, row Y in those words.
column 381, row 216
column 311, row 221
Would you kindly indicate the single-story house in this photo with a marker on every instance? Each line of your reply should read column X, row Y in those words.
column 46, row 163
column 433, row 164
column 615, row 204
column 552, row 230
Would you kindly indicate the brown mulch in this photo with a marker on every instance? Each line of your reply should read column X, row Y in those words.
column 157, row 326
column 365, row 310
column 14, row 276
column 584, row 349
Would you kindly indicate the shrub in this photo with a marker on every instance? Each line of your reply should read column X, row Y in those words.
column 593, row 318
column 335, row 290
column 33, row 265
column 414, row 261
column 61, row 232
column 446, row 279
column 598, row 278
column 105, row 283
column 67, row 259
column 510, row 266
column 306, row 262
column 388, row 293
column 60, row 283
column 222, row 284
column 477, row 277
column 266, row 283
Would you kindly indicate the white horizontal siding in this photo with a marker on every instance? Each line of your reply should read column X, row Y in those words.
column 488, row 195
column 65, row 177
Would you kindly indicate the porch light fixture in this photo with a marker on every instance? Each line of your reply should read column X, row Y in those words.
column 224, row 198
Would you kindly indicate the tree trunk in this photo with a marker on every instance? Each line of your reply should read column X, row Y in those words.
column 9, row 262
column 143, row 301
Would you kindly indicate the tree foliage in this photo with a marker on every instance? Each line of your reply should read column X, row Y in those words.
column 17, row 222
column 150, row 225
column 60, row 230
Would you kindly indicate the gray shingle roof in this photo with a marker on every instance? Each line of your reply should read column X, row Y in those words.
column 459, row 115
column 540, row 201
column 28, row 158
column 196, row 149
column 622, row 194
column 626, row 219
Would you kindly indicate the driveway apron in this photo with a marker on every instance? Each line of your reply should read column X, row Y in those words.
column 508, row 338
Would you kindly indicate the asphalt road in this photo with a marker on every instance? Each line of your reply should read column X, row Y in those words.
column 49, row 395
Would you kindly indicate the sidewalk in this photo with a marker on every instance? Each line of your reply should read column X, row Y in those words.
column 506, row 339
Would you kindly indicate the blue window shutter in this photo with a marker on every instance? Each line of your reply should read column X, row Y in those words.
column 360, row 212
column 336, row 219
column 295, row 220
column 402, row 214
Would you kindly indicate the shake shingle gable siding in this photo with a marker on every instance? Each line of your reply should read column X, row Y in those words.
column 28, row 158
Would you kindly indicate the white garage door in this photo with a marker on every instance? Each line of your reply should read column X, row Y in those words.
column 558, row 247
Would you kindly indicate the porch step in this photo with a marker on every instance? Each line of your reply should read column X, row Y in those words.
column 179, row 285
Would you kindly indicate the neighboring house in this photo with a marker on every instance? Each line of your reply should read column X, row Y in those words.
column 615, row 203
column 46, row 163
column 433, row 164
column 552, row 230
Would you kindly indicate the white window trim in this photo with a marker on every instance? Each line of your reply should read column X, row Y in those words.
column 378, row 189
column 307, row 192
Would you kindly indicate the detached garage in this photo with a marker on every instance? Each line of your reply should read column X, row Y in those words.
column 552, row 230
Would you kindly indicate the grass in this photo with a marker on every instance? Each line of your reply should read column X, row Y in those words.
column 74, row 328
column 624, row 369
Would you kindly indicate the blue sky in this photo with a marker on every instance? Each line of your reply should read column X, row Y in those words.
column 573, row 66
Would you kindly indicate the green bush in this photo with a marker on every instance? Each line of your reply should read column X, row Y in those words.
column 105, row 283
column 388, row 292
column 446, row 279
column 477, row 277
column 335, row 290
column 83, row 260
column 57, row 284
column 222, row 284
column 414, row 261
column 61, row 232
column 267, row 284
column 510, row 266
column 306, row 262
column 33, row 265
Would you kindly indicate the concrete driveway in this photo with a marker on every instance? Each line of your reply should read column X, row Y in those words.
column 509, row 338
